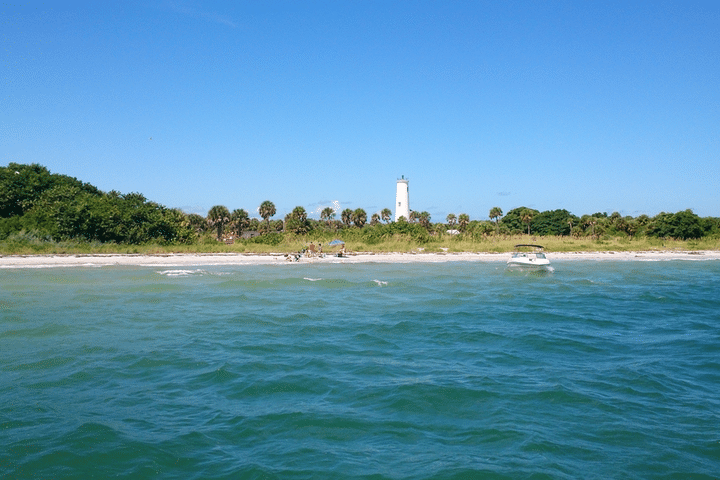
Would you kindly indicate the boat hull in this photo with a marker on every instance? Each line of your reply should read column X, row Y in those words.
column 532, row 260
column 527, row 263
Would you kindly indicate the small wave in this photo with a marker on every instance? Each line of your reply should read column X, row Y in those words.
column 312, row 279
column 182, row 273
column 380, row 282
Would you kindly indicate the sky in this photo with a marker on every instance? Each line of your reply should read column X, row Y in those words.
column 595, row 106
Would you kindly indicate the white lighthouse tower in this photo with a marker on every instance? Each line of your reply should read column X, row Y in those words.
column 402, row 199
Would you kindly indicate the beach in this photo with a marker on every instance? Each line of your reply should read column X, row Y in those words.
column 172, row 260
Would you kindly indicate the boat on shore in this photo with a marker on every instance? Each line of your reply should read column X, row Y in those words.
column 533, row 259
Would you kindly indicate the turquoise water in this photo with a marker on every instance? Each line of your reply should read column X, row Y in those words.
column 458, row 370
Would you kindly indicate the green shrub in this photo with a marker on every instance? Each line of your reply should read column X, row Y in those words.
column 273, row 238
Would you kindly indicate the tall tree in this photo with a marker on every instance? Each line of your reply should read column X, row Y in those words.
column 197, row 222
column 386, row 215
column 682, row 225
column 628, row 225
column 346, row 217
column 297, row 221
column 527, row 216
column 424, row 219
column 451, row 220
column 592, row 222
column 553, row 222
column 327, row 214
column 463, row 221
column 512, row 220
column 375, row 219
column 586, row 221
column 239, row 219
column 254, row 224
column 218, row 216
column 267, row 210
column 495, row 214
column 359, row 217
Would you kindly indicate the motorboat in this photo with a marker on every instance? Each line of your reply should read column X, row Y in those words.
column 534, row 259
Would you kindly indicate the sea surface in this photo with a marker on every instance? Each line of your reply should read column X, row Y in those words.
column 596, row 370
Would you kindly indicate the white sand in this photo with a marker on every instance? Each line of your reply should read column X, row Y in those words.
column 177, row 260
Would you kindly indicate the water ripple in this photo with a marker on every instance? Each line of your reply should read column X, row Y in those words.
column 598, row 370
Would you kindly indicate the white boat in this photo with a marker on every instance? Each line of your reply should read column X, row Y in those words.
column 532, row 259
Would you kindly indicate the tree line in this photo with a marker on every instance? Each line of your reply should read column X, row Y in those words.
column 58, row 207
column 683, row 225
column 224, row 222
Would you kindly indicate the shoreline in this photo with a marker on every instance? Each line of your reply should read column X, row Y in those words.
column 199, row 259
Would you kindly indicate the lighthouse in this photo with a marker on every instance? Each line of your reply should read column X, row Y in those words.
column 402, row 199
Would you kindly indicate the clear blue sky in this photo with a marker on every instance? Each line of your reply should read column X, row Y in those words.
column 588, row 106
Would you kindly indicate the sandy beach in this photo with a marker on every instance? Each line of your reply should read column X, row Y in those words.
column 180, row 260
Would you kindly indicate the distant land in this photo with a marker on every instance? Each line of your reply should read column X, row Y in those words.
column 42, row 211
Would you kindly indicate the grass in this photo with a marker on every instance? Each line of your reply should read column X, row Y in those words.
column 24, row 244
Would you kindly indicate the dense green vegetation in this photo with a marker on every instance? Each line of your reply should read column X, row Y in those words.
column 51, row 207
column 45, row 212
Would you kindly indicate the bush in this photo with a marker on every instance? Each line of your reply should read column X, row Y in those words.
column 272, row 238
column 682, row 225
column 9, row 226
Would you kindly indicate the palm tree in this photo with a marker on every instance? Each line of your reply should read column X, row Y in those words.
column 254, row 224
column 424, row 218
column 359, row 217
column 527, row 216
column 451, row 220
column 495, row 214
column 631, row 226
column 375, row 219
column 297, row 221
column 589, row 221
column 198, row 222
column 239, row 218
column 327, row 214
column 346, row 217
column 218, row 216
column 414, row 216
column 386, row 215
column 299, row 213
column 463, row 220
column 267, row 210
column 585, row 221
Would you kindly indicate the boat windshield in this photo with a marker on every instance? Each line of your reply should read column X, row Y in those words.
column 540, row 255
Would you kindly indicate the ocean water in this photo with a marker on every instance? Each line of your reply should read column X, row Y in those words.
column 596, row 370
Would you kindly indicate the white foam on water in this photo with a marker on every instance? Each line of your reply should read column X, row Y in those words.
column 380, row 282
column 312, row 279
column 182, row 273
column 52, row 265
